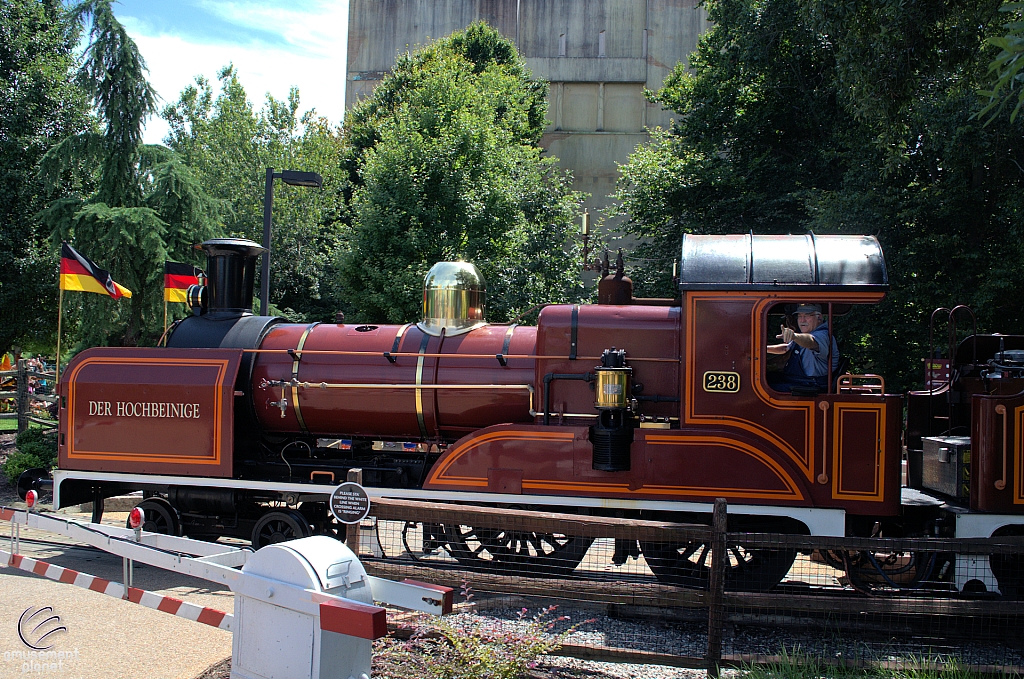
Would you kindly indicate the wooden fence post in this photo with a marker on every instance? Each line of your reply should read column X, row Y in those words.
column 354, row 530
column 24, row 403
column 716, row 586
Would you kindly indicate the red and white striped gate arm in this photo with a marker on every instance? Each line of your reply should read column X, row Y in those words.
column 165, row 604
column 344, row 627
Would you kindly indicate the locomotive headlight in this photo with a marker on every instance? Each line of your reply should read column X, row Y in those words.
column 612, row 380
column 612, row 387
column 612, row 433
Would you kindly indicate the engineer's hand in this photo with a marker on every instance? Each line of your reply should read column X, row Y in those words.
column 787, row 334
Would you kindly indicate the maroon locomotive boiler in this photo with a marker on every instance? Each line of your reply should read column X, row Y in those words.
column 243, row 424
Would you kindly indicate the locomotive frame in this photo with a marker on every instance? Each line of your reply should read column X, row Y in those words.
column 238, row 427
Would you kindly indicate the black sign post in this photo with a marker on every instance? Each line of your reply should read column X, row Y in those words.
column 350, row 503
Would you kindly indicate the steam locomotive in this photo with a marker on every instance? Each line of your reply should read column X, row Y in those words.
column 242, row 425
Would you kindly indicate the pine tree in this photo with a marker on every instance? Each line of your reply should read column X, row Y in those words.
column 134, row 205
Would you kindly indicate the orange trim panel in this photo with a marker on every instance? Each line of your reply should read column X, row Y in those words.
column 840, row 490
column 222, row 366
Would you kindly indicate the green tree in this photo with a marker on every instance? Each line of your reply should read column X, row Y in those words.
column 131, row 205
column 847, row 118
column 1008, row 81
column 229, row 146
column 39, row 104
column 444, row 165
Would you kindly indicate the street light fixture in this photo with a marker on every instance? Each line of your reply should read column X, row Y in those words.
column 292, row 178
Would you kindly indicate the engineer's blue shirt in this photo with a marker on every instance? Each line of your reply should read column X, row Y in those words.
column 813, row 362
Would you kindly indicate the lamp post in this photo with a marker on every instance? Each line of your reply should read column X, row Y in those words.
column 292, row 178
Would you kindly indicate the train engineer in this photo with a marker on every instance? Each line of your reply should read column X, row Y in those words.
column 807, row 367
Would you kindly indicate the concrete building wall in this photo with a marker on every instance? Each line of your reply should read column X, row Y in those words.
column 598, row 55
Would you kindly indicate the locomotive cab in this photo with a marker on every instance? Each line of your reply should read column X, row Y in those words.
column 839, row 447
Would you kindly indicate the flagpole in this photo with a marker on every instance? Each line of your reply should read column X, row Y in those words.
column 165, row 316
column 60, row 308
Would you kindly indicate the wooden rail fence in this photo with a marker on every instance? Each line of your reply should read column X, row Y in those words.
column 24, row 398
column 723, row 607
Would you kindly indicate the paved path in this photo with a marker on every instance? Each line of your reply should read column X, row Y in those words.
column 106, row 638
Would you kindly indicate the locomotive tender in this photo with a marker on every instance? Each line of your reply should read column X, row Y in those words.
column 243, row 425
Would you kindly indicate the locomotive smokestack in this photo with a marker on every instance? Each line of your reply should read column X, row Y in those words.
column 231, row 272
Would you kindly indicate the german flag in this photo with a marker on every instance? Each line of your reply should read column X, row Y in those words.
column 78, row 272
column 177, row 278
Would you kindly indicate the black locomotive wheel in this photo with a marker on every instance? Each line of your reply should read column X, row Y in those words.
column 515, row 552
column 280, row 525
column 750, row 569
column 895, row 571
column 331, row 527
column 160, row 517
column 431, row 539
column 1008, row 568
column 322, row 521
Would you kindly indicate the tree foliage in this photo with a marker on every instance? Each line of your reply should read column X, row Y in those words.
column 846, row 117
column 229, row 145
column 1006, row 67
column 39, row 104
column 131, row 205
column 443, row 164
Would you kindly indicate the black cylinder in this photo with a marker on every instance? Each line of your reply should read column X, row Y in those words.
column 231, row 273
column 612, row 437
column 205, row 500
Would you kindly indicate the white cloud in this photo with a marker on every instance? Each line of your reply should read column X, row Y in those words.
column 314, row 62
column 311, row 29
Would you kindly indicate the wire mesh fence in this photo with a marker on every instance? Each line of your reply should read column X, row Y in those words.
column 654, row 591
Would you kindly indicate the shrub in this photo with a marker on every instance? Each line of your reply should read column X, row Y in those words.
column 466, row 646
column 35, row 448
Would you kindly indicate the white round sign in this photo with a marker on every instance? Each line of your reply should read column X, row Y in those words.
column 350, row 503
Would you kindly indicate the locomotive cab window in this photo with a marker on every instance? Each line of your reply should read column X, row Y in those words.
column 802, row 354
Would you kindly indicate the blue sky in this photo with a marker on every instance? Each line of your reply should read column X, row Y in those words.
column 273, row 44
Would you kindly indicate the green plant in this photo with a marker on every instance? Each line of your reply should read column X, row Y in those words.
column 797, row 664
column 36, row 448
column 467, row 646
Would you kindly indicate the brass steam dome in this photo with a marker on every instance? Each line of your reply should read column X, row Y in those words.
column 453, row 299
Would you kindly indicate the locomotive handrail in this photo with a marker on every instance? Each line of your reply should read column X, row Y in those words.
column 328, row 385
column 1001, row 483
column 931, row 343
column 412, row 354
column 823, row 477
column 846, row 385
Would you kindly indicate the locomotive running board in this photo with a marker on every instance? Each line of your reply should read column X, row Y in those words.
column 819, row 522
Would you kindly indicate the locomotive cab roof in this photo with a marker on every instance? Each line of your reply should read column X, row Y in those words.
column 782, row 263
